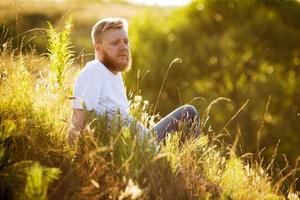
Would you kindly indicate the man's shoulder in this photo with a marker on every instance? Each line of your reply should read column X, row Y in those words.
column 92, row 67
column 90, row 72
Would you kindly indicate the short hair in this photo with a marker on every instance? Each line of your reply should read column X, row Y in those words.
column 106, row 24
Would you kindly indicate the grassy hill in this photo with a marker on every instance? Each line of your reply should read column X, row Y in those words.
column 36, row 162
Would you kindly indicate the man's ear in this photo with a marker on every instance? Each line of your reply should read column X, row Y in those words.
column 97, row 47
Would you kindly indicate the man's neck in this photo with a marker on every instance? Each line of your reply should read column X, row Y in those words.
column 114, row 72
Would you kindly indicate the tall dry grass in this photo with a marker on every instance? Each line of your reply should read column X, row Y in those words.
column 115, row 163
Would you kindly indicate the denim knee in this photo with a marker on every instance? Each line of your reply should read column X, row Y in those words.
column 191, row 110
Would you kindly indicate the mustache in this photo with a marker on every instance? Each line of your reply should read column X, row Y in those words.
column 123, row 53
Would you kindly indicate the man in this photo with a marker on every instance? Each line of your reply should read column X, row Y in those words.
column 100, row 87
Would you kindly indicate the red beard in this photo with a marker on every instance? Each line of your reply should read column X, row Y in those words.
column 114, row 65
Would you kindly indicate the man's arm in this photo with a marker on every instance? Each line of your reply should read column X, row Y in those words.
column 77, row 125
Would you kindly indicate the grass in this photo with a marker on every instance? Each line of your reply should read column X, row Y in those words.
column 36, row 162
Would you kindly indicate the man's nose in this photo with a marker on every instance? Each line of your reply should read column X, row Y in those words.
column 124, row 46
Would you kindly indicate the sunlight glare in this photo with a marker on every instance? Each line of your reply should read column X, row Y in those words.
column 162, row 2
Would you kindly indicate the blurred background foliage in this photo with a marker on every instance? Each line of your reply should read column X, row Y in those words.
column 236, row 49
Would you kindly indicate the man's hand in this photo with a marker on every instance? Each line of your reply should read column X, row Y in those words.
column 76, row 126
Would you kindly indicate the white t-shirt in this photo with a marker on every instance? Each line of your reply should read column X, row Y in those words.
column 97, row 88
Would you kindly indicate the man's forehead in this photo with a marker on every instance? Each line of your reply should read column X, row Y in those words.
column 115, row 33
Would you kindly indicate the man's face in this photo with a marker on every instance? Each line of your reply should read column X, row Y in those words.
column 115, row 50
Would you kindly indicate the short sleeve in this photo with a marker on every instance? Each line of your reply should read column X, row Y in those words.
column 87, row 89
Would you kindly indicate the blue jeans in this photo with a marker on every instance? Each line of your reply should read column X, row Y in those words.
column 185, row 115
